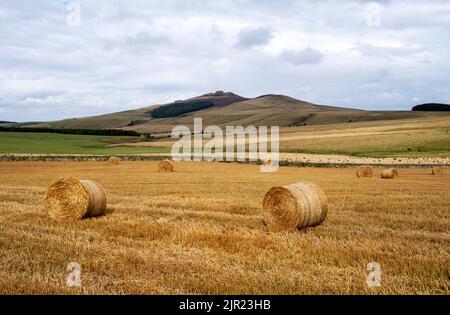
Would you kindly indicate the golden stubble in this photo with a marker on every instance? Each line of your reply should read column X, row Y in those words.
column 200, row 230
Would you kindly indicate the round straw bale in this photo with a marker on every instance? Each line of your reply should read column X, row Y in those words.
column 364, row 171
column 437, row 171
column 389, row 173
column 73, row 199
column 268, row 163
column 165, row 166
column 294, row 206
column 113, row 160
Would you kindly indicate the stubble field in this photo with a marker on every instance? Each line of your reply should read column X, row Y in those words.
column 199, row 230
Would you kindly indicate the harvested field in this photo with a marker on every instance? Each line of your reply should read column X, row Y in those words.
column 199, row 230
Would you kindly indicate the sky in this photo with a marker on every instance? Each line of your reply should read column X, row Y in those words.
column 61, row 59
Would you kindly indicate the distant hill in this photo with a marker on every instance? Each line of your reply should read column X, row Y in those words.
column 226, row 108
column 432, row 107
column 4, row 123
column 271, row 110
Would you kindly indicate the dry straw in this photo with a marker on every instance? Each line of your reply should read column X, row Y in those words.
column 390, row 173
column 165, row 166
column 113, row 160
column 73, row 199
column 294, row 206
column 364, row 171
column 437, row 171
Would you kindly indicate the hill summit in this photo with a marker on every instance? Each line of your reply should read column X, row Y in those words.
column 219, row 98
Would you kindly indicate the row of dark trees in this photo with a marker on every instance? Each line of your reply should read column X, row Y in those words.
column 432, row 107
column 180, row 108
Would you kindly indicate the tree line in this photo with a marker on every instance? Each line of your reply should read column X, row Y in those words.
column 432, row 107
column 179, row 108
column 97, row 132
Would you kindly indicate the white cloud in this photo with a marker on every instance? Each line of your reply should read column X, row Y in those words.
column 128, row 54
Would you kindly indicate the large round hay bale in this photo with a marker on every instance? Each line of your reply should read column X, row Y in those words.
column 294, row 206
column 113, row 160
column 73, row 199
column 390, row 173
column 437, row 171
column 165, row 166
column 364, row 171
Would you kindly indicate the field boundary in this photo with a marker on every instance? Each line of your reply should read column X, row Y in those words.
column 137, row 157
column 78, row 157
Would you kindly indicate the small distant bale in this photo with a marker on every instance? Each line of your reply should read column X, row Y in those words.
column 267, row 163
column 437, row 171
column 390, row 173
column 364, row 171
column 165, row 166
column 113, row 160
column 73, row 199
column 294, row 206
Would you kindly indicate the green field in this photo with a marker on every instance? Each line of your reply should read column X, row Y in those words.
column 51, row 143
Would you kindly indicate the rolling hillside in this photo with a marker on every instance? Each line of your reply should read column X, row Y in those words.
column 5, row 123
column 133, row 119
column 232, row 109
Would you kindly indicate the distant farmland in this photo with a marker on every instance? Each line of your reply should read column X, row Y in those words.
column 51, row 143
column 419, row 137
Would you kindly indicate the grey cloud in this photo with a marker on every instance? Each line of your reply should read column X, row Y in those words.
column 307, row 56
column 254, row 37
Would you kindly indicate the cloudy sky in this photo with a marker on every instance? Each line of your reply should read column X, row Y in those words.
column 117, row 55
